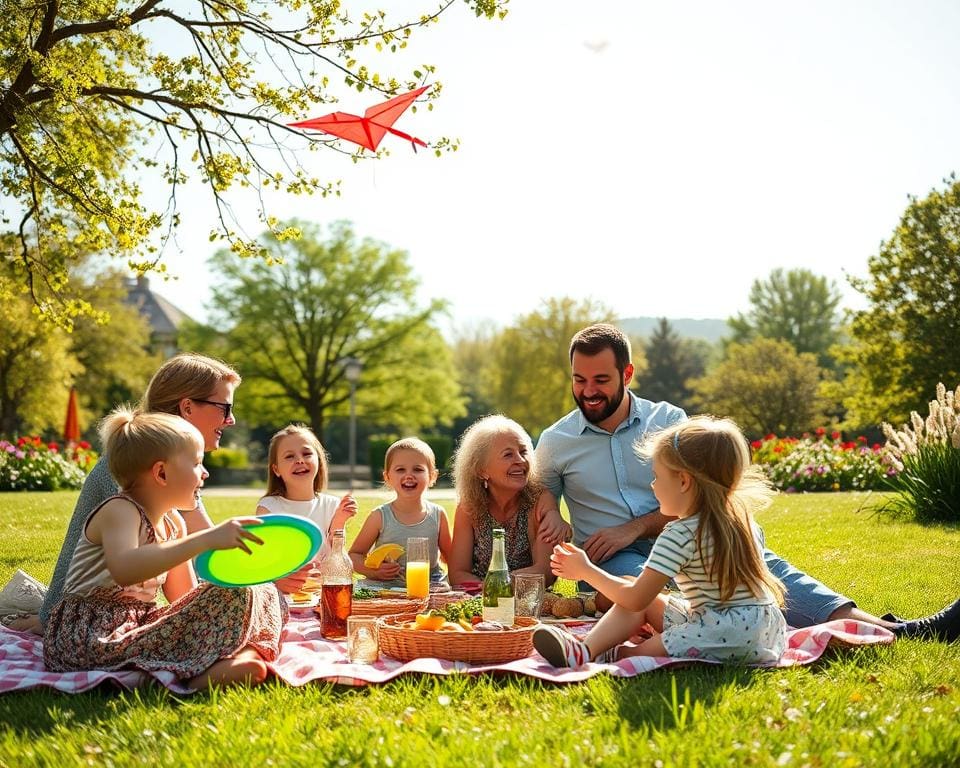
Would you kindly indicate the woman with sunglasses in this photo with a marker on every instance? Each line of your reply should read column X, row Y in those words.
column 196, row 388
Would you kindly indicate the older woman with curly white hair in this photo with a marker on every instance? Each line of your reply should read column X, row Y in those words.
column 497, row 487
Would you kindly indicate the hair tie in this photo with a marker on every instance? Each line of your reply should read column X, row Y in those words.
column 676, row 441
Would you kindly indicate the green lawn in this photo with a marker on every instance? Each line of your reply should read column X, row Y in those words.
column 897, row 705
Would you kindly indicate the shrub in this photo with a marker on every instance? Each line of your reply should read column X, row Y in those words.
column 821, row 462
column 377, row 450
column 33, row 465
column 926, row 453
column 227, row 458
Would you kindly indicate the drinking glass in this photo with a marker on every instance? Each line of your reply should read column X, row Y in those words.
column 362, row 640
column 418, row 567
column 528, row 589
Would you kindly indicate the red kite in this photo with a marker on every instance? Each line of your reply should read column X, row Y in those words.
column 71, row 429
column 369, row 130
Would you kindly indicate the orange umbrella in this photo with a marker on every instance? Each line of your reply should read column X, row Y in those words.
column 71, row 428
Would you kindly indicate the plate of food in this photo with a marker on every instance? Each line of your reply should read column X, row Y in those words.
column 302, row 599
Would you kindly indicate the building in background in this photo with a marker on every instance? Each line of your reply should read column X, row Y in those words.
column 164, row 318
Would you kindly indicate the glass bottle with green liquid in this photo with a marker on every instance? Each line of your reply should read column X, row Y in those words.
column 498, row 604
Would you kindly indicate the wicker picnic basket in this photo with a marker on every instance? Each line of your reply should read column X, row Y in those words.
column 472, row 647
column 385, row 606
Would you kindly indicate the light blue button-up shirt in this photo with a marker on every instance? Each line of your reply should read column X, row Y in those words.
column 598, row 473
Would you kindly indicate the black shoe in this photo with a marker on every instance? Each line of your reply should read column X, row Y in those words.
column 944, row 625
column 892, row 617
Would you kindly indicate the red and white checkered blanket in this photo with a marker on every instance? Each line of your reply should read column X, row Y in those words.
column 306, row 656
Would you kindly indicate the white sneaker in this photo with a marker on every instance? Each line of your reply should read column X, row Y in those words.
column 559, row 647
column 22, row 594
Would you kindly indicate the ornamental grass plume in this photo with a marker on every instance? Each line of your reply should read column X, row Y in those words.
column 926, row 455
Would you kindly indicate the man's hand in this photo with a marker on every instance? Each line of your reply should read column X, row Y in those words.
column 606, row 542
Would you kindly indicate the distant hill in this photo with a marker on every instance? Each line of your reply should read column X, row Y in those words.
column 710, row 329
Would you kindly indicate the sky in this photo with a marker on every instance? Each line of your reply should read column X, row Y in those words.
column 657, row 157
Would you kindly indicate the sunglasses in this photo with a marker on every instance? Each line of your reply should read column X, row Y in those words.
column 227, row 408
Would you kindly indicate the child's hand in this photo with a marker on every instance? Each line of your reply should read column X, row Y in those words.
column 347, row 507
column 294, row 582
column 570, row 562
column 231, row 534
column 388, row 571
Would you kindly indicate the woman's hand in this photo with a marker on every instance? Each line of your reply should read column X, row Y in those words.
column 232, row 534
column 570, row 562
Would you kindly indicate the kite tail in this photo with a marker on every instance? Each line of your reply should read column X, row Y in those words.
column 412, row 139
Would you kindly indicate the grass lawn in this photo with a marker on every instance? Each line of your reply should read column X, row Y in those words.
column 896, row 705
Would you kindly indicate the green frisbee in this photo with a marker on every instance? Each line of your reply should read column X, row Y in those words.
column 289, row 543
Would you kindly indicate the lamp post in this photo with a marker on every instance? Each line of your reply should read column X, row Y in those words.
column 352, row 368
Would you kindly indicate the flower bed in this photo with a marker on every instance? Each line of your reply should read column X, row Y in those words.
column 30, row 464
column 822, row 461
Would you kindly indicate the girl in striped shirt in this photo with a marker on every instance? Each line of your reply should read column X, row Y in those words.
column 728, row 609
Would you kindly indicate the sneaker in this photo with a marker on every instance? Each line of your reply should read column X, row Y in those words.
column 944, row 625
column 559, row 647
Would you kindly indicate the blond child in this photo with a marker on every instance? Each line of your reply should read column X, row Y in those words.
column 295, row 486
column 409, row 470
column 729, row 608
column 136, row 544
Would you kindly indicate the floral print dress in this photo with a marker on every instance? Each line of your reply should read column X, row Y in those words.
column 112, row 627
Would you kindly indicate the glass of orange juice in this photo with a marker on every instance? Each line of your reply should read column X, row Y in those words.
column 418, row 567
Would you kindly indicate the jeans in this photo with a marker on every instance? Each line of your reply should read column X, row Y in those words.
column 808, row 601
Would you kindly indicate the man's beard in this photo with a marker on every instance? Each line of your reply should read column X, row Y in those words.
column 594, row 416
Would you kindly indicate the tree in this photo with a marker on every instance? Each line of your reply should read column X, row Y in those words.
column 115, row 364
column 105, row 358
column 904, row 342
column 529, row 370
column 35, row 368
column 765, row 386
column 671, row 363
column 95, row 92
column 473, row 349
column 796, row 306
column 290, row 326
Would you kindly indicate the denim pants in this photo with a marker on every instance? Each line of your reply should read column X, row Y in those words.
column 808, row 601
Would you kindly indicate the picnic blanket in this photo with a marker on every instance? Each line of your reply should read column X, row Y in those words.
column 306, row 656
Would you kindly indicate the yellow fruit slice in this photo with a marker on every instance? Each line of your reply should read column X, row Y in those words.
column 432, row 621
column 375, row 558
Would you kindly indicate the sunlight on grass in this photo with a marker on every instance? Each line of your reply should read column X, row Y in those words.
column 897, row 705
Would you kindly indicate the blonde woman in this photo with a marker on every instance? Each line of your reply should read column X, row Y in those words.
column 196, row 388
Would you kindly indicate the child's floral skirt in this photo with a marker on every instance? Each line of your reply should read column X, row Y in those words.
column 107, row 631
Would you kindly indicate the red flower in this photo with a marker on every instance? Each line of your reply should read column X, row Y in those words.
column 821, row 431
column 835, row 435
column 21, row 441
column 756, row 445
column 84, row 445
column 778, row 448
column 861, row 439
column 37, row 440
column 53, row 447
column 771, row 436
